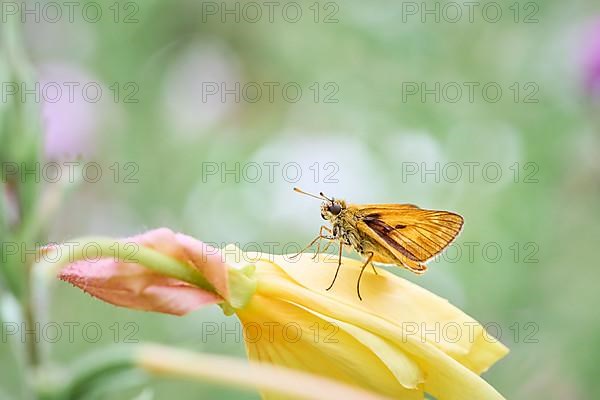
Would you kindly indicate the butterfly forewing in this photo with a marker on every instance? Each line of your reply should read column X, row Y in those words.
column 410, row 232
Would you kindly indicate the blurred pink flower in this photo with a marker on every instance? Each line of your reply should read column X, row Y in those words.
column 591, row 58
column 70, row 120
column 135, row 286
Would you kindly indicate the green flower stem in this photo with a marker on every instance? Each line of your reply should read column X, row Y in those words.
column 14, row 272
column 88, row 372
column 12, row 311
column 98, row 368
column 167, row 361
column 93, row 248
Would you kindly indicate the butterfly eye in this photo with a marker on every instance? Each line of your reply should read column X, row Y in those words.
column 323, row 216
column 335, row 209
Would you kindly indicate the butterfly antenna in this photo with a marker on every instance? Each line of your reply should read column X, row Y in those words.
column 325, row 197
column 310, row 194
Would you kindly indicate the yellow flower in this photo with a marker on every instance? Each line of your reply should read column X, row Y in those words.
column 401, row 340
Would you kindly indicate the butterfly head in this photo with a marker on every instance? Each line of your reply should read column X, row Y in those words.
column 330, row 208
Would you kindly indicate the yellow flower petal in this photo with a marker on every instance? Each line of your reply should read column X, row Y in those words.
column 446, row 378
column 312, row 347
column 405, row 370
column 419, row 312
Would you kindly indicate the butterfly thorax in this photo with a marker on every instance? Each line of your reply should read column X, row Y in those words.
column 343, row 219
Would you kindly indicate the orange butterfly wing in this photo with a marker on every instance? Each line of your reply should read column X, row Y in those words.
column 412, row 234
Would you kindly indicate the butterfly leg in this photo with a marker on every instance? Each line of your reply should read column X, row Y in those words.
column 327, row 246
column 320, row 236
column 328, row 243
column 362, row 269
column 338, row 267
column 323, row 228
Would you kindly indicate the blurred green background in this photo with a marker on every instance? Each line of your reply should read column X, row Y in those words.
column 360, row 140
